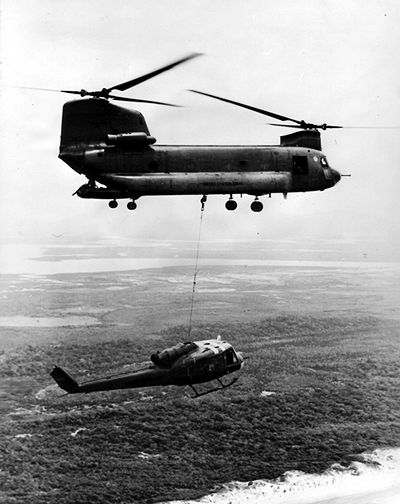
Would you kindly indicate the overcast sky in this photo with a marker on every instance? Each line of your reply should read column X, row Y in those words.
column 323, row 61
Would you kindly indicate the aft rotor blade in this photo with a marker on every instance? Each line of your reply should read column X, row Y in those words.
column 43, row 89
column 248, row 107
column 122, row 98
column 70, row 92
column 134, row 82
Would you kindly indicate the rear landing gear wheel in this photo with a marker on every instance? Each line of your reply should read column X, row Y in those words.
column 113, row 204
column 131, row 205
column 256, row 206
column 231, row 204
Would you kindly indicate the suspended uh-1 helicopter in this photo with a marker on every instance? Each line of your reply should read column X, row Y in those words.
column 112, row 146
column 187, row 363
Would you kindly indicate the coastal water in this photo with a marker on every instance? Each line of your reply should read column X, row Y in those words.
column 32, row 260
column 373, row 479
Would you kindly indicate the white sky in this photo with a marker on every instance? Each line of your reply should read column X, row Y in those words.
column 324, row 61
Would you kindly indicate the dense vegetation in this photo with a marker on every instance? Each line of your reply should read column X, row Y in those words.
column 335, row 392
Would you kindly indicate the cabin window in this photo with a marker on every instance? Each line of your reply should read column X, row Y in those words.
column 300, row 165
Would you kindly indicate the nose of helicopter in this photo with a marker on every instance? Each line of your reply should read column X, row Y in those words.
column 336, row 175
column 241, row 358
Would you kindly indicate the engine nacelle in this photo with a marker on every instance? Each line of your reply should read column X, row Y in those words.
column 130, row 141
column 167, row 357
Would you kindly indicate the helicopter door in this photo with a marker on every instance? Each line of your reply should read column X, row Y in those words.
column 300, row 165
column 198, row 369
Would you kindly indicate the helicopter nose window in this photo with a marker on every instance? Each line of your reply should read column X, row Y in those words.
column 324, row 162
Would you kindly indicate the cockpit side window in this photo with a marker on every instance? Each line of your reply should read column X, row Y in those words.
column 324, row 162
column 300, row 165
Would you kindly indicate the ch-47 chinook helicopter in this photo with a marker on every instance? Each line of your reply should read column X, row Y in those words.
column 112, row 146
column 187, row 363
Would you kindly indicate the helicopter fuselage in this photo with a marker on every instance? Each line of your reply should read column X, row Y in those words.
column 198, row 169
column 112, row 146
column 184, row 364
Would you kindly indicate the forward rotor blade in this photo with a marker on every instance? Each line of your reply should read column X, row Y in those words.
column 371, row 127
column 309, row 126
column 134, row 82
column 329, row 126
column 122, row 98
column 286, row 125
column 248, row 107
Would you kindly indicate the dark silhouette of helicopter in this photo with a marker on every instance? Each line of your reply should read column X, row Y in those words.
column 187, row 363
column 112, row 146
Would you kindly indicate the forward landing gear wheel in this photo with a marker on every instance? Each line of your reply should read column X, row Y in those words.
column 113, row 204
column 131, row 205
column 256, row 206
column 231, row 204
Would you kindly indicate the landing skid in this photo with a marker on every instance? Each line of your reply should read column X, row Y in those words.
column 215, row 389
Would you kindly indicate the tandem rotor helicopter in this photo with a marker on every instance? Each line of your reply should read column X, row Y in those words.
column 187, row 363
column 112, row 146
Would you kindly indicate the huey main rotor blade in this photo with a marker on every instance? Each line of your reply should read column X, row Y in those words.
column 134, row 82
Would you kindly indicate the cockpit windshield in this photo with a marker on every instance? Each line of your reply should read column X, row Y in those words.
column 324, row 162
column 231, row 357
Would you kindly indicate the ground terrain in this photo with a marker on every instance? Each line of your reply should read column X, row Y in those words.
column 321, row 383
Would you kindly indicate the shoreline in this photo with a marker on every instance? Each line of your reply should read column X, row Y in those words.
column 374, row 476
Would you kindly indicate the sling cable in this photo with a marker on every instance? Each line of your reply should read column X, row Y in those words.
column 202, row 201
